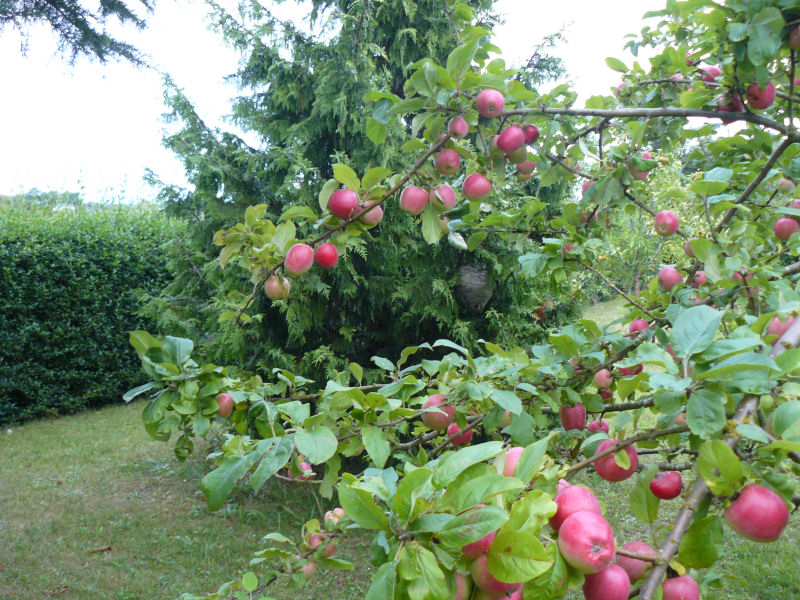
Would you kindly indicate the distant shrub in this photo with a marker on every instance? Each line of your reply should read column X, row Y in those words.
column 69, row 286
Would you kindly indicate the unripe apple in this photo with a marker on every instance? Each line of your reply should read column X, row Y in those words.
column 612, row 583
column 306, row 468
column 785, row 228
column 523, row 176
column 447, row 162
column 786, row 185
column 598, row 425
column 309, row 569
column 638, row 325
column 730, row 104
column 371, row 216
column 339, row 513
column 635, row 568
column 637, row 174
column 680, row 419
column 326, row 255
column 711, row 74
column 511, row 139
column 778, row 327
column 511, row 460
column 315, row 541
column 475, row 549
column 444, row 223
column 628, row 371
column 667, row 485
column 602, row 379
column 669, row 277
column 329, row 516
column 299, row 259
column 343, row 203
column 607, row 466
column 225, row 404
column 463, row 587
column 520, row 155
column 572, row 499
column 794, row 39
column 476, row 187
column 531, row 133
column 526, row 167
column 436, row 420
column 759, row 514
column 458, row 127
column 586, row 541
column 443, row 197
column 699, row 279
column 459, row 440
column 680, row 588
column 666, row 223
column 277, row 287
column 413, row 200
column 573, row 417
column 494, row 150
column 760, row 98
column 486, row 581
column 490, row 103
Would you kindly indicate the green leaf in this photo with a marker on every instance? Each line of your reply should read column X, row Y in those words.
column 531, row 459
column 644, row 505
column 532, row 264
column 318, row 445
column 694, row 330
column 298, row 211
column 530, row 513
column 376, row 133
column 383, row 583
column 785, row 416
column 701, row 545
column 347, row 177
column 131, row 394
column 179, row 349
column 143, row 341
column 616, row 64
column 381, row 113
column 466, row 492
column 460, row 59
column 452, row 465
column 472, row 526
column 376, row 444
column 736, row 364
column 217, row 485
column 753, row 432
column 359, row 505
column 431, row 229
column 249, row 581
column 719, row 466
column 373, row 176
column 765, row 41
column 383, row 363
column 325, row 193
column 553, row 582
column 516, row 557
column 274, row 459
column 432, row 585
column 705, row 413
column 507, row 400
column 414, row 485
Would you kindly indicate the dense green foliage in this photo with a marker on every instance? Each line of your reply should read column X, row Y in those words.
column 303, row 107
column 69, row 281
column 82, row 31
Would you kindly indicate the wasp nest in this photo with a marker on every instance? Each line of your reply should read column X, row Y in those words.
column 474, row 288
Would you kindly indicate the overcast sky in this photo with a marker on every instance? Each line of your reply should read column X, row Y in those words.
column 96, row 128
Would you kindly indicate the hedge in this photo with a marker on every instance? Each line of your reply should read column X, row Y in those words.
column 69, row 286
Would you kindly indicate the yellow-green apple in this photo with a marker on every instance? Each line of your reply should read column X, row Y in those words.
column 680, row 588
column 490, row 103
column 343, row 203
column 635, row 568
column 277, row 287
column 612, row 583
column 413, row 200
column 520, row 155
column 299, row 259
column 326, row 255
column 607, row 466
column 666, row 485
column 225, row 404
column 434, row 419
column 586, row 542
column 786, row 185
column 572, row 499
column 759, row 514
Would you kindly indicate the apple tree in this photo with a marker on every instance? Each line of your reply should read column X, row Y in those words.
column 465, row 483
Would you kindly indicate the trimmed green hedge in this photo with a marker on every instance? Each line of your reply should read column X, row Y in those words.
column 69, row 285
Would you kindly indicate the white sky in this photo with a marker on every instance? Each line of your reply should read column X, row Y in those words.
column 96, row 128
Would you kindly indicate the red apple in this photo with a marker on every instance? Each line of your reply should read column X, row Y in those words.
column 459, row 440
column 572, row 499
column 667, row 485
column 621, row 89
column 306, row 468
column 606, row 394
column 573, row 417
column 531, row 133
column 759, row 514
column 315, row 541
column 586, row 541
column 637, row 174
column 598, row 425
column 602, row 379
column 225, row 403
column 570, row 246
column 458, row 127
column 699, row 279
column 343, row 203
column 730, row 104
column 628, row 371
column 687, row 248
column 711, row 74
column 486, row 581
column 778, row 327
column 680, row 588
column 760, row 98
column 785, row 185
column 511, row 139
column 666, row 223
column 638, row 325
column 475, row 549
column 299, row 259
column 490, row 103
column 413, row 200
column 371, row 216
column 612, row 583
column 463, row 587
column 447, row 162
column 443, row 197
column 511, row 460
column 526, row 167
column 669, row 277
column 277, row 287
column 309, row 569
column 326, row 255
column 436, row 420
column 607, row 466
column 476, row 187
column 635, row 568
column 785, row 227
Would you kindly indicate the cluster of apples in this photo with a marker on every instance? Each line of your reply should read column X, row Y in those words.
column 786, row 227
column 320, row 542
column 442, row 417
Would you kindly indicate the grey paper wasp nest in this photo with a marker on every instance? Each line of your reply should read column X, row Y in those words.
column 474, row 288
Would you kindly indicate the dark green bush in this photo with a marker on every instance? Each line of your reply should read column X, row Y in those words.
column 69, row 286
